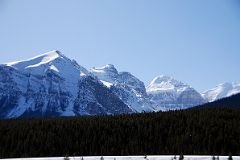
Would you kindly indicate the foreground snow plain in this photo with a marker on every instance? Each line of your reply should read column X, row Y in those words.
column 132, row 158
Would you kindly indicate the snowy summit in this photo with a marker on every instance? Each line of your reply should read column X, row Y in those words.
column 221, row 91
column 168, row 93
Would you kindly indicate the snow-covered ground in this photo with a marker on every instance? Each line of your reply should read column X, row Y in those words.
column 133, row 158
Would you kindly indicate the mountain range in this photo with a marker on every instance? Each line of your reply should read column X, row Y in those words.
column 51, row 84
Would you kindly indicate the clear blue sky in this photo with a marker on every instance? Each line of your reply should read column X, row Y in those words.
column 195, row 41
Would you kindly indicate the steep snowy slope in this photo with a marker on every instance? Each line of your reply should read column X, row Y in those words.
column 130, row 89
column 172, row 94
column 53, row 85
column 221, row 91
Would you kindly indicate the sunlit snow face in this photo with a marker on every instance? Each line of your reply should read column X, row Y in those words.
column 221, row 91
column 165, row 83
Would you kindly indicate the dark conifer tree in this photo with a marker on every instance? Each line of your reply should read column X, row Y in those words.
column 181, row 157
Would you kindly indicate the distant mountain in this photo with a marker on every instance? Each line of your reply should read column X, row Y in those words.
column 127, row 87
column 221, row 91
column 228, row 102
column 53, row 85
column 169, row 93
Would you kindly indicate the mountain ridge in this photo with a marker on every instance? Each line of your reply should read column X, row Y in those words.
column 221, row 91
column 51, row 84
column 126, row 86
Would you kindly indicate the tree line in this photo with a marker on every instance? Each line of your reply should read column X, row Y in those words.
column 204, row 131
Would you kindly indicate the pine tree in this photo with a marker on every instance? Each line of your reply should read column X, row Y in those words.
column 213, row 158
column 181, row 157
column 175, row 157
column 66, row 158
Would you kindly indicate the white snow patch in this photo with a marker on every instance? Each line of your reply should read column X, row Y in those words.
column 166, row 84
column 107, row 84
column 38, row 60
column 221, row 91
column 52, row 67
column 188, row 157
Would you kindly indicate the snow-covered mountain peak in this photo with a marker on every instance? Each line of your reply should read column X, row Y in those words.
column 110, row 74
column 126, row 86
column 221, row 91
column 109, row 68
column 161, row 78
column 51, row 61
column 226, row 85
column 107, row 73
column 52, row 55
column 53, row 84
column 170, row 93
column 36, row 61
column 164, row 83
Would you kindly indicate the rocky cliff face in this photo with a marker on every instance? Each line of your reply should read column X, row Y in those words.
column 127, row 87
column 53, row 85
